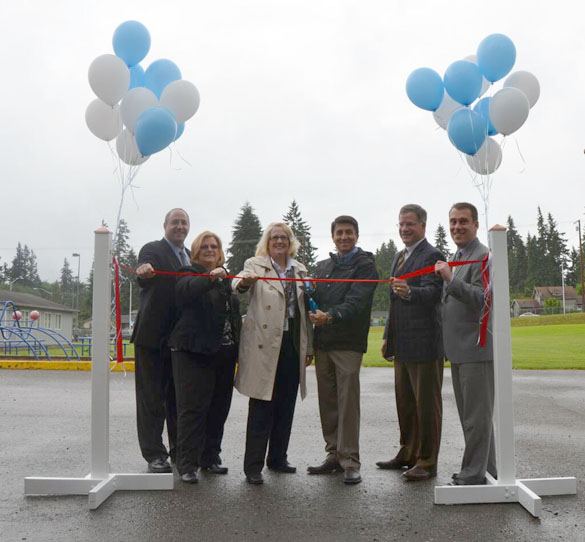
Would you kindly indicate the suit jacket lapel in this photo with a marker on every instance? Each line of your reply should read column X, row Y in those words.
column 171, row 256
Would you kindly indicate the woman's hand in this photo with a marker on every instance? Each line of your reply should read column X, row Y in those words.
column 248, row 279
column 217, row 273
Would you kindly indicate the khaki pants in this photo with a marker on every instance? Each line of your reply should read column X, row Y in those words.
column 338, row 382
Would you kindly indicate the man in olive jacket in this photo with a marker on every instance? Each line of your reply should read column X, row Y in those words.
column 342, row 323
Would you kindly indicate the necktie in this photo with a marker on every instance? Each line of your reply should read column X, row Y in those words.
column 401, row 259
column 457, row 257
column 184, row 260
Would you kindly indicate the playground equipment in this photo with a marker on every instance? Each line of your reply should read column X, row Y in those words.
column 33, row 338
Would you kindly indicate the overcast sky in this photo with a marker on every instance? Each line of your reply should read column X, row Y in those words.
column 300, row 99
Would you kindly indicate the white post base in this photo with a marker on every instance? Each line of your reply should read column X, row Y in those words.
column 97, row 489
column 525, row 492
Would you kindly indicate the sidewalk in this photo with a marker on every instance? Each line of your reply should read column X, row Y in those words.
column 44, row 432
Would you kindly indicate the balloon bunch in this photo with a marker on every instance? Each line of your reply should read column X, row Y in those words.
column 458, row 107
column 144, row 110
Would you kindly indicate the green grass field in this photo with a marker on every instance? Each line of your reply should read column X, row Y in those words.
column 542, row 342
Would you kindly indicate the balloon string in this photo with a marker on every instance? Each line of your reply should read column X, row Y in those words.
column 521, row 156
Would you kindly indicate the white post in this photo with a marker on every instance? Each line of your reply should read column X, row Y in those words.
column 503, row 404
column 100, row 354
column 99, row 484
column 506, row 488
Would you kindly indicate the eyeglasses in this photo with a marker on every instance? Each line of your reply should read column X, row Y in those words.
column 279, row 238
column 209, row 247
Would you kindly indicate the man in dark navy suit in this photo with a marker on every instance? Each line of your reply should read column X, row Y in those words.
column 413, row 340
column 155, row 392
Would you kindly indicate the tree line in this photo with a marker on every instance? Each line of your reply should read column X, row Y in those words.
column 536, row 261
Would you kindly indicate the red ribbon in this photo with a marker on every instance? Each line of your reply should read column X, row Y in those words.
column 118, row 311
column 485, row 280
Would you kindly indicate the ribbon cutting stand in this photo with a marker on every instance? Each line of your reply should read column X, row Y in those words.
column 506, row 488
column 100, row 483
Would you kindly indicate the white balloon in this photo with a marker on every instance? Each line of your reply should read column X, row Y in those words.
column 527, row 83
column 103, row 120
column 509, row 109
column 446, row 110
column 127, row 149
column 109, row 78
column 487, row 159
column 136, row 102
column 181, row 98
column 485, row 84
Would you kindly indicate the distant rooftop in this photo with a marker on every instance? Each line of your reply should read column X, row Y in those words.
column 30, row 301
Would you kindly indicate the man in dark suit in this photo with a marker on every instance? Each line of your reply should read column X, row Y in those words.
column 155, row 392
column 472, row 366
column 413, row 340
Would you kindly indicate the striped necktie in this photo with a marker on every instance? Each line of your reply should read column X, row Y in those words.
column 400, row 261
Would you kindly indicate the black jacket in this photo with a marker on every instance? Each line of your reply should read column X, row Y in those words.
column 157, row 312
column 349, row 303
column 202, row 313
column 413, row 329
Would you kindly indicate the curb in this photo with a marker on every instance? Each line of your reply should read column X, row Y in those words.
column 127, row 366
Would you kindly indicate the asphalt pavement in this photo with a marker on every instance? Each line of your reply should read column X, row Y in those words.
column 44, row 431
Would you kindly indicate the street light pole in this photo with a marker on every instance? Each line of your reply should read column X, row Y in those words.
column 563, row 285
column 581, row 264
column 12, row 282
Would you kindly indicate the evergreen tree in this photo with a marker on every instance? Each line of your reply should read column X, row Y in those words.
column 384, row 257
column 246, row 233
column 517, row 259
column 573, row 269
column 532, row 265
column 306, row 253
column 67, row 285
column 18, row 269
column 441, row 242
column 32, row 269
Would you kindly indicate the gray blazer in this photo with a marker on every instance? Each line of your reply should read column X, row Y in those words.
column 463, row 300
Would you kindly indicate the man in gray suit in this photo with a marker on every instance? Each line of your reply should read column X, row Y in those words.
column 472, row 366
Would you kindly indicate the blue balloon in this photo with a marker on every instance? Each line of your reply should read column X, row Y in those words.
column 180, row 130
column 463, row 81
column 496, row 55
column 159, row 74
column 136, row 76
column 131, row 42
column 154, row 130
column 466, row 131
column 483, row 108
column 424, row 88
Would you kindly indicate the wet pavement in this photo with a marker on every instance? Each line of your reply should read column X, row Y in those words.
column 44, row 431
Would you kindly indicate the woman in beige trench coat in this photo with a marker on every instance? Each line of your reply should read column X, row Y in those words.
column 275, row 347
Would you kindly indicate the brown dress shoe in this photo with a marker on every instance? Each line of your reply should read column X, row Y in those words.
column 393, row 464
column 327, row 467
column 352, row 476
column 417, row 474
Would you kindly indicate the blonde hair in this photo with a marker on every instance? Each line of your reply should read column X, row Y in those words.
column 196, row 247
column 262, row 248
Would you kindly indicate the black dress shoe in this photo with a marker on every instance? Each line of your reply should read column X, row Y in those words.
column 352, row 476
column 327, row 467
column 215, row 469
column 159, row 466
column 190, row 477
column 255, row 479
column 393, row 464
column 282, row 467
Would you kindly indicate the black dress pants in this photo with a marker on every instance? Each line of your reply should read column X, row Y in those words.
column 204, row 387
column 155, row 402
column 271, row 421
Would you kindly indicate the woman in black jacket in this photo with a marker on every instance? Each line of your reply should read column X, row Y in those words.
column 204, row 344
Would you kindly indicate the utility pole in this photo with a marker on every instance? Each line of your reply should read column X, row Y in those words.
column 581, row 264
